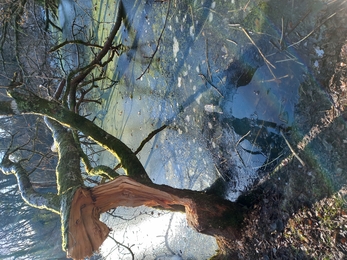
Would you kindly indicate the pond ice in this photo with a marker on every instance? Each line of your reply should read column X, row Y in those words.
column 213, row 128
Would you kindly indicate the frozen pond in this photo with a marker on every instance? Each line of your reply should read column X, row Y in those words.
column 224, row 104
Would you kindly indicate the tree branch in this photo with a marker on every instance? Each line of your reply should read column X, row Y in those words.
column 47, row 201
column 57, row 47
column 68, row 169
column 31, row 104
column 77, row 76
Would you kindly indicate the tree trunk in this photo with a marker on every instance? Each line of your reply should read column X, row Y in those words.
column 83, row 232
column 205, row 213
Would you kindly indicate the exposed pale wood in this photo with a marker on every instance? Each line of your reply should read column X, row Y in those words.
column 125, row 191
column 205, row 213
column 87, row 232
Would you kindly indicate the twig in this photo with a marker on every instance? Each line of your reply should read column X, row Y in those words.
column 237, row 143
column 296, row 25
column 260, row 52
column 241, row 8
column 221, row 175
column 292, row 150
column 149, row 137
column 57, row 47
column 159, row 39
column 243, row 137
column 267, row 62
column 59, row 90
column 281, row 34
column 232, row 41
column 77, row 76
column 234, row 24
column 271, row 80
column 310, row 33
column 209, row 82
column 120, row 244
column 146, row 140
column 268, row 163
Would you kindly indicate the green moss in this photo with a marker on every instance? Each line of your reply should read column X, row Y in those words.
column 104, row 171
column 256, row 20
column 66, row 200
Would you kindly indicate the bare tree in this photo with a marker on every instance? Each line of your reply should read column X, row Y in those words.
column 80, row 206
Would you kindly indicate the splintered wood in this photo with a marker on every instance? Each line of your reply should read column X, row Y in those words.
column 87, row 232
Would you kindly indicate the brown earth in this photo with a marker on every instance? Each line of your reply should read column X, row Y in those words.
column 301, row 212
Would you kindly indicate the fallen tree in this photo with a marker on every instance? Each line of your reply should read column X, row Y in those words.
column 80, row 206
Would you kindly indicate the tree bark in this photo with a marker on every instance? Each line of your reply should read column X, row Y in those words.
column 205, row 213
column 68, row 169
column 48, row 201
column 32, row 104
column 83, row 233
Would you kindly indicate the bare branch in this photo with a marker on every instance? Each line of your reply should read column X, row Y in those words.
column 66, row 42
column 30, row 196
column 159, row 39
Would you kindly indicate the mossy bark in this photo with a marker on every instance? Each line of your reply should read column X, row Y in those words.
column 48, row 201
column 36, row 105
column 68, row 169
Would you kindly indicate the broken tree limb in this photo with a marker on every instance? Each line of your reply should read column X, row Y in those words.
column 86, row 232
